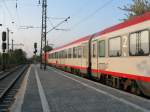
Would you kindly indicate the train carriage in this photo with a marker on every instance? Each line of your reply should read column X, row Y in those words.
column 72, row 57
column 118, row 56
column 122, row 55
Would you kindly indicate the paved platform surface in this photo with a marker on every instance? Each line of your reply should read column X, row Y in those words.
column 57, row 91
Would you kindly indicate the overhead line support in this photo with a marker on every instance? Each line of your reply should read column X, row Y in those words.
column 43, row 32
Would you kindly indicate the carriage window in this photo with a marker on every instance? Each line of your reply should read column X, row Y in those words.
column 60, row 54
column 79, row 52
column 65, row 54
column 85, row 49
column 69, row 53
column 102, row 48
column 139, row 43
column 115, row 47
column 52, row 55
column 94, row 50
column 55, row 55
column 74, row 52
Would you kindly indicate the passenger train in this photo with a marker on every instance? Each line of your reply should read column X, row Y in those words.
column 118, row 56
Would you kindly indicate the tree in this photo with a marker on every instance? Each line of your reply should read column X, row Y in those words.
column 18, row 56
column 137, row 8
column 48, row 48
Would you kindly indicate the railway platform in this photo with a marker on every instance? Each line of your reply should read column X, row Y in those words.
column 53, row 90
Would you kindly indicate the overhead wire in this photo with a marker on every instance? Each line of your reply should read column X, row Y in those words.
column 80, row 9
column 18, row 16
column 4, row 2
column 55, row 18
column 1, row 16
column 51, row 23
column 92, row 14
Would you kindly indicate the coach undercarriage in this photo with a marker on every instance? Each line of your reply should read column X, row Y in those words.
column 120, row 83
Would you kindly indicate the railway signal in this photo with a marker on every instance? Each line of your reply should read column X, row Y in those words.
column 3, row 41
column 35, row 51
column 3, row 48
column 35, row 48
column 35, row 45
column 4, row 36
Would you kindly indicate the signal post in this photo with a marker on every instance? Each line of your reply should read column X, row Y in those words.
column 4, row 49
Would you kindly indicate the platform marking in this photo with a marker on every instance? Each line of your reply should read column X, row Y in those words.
column 105, row 93
column 17, row 106
column 44, row 101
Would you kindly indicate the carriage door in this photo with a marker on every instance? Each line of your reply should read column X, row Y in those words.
column 84, row 57
column 94, row 58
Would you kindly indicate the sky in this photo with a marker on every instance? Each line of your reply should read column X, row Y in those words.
column 86, row 17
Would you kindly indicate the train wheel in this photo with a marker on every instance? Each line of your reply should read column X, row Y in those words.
column 131, row 86
column 109, row 80
column 134, row 88
column 116, row 82
column 127, row 85
column 103, row 79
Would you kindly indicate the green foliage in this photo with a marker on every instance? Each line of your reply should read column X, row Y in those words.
column 15, row 57
column 38, row 58
column 18, row 56
column 138, row 7
column 47, row 48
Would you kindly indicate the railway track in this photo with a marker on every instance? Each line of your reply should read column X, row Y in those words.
column 4, row 74
column 9, row 84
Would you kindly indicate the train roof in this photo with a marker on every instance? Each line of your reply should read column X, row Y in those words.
column 133, row 21
column 74, row 42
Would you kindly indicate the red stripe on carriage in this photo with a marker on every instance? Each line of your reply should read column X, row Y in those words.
column 117, row 74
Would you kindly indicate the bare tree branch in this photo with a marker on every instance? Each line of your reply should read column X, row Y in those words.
column 138, row 7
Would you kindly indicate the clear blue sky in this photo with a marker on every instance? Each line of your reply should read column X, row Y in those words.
column 29, row 13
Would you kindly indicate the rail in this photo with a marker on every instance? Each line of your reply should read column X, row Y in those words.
column 8, row 82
